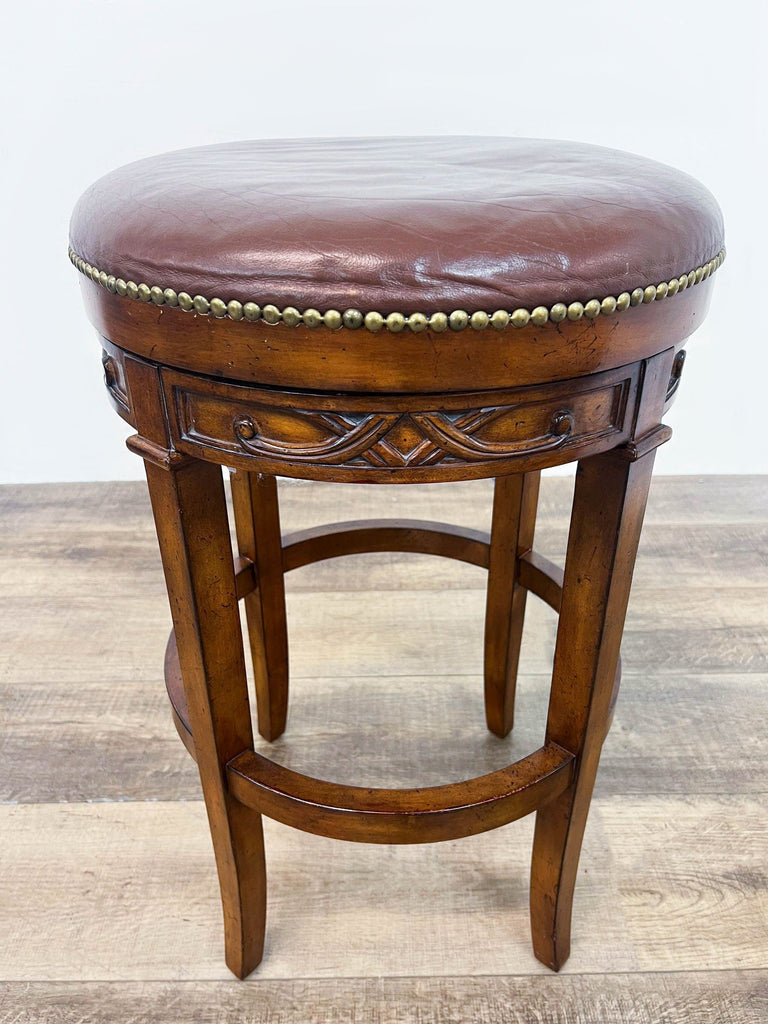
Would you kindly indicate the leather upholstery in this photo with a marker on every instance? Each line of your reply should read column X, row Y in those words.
column 403, row 224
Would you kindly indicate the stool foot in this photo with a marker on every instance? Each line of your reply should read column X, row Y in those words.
column 608, row 506
column 257, row 523
column 243, row 888
column 557, row 844
column 515, row 499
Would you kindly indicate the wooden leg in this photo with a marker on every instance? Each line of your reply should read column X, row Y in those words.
column 514, row 518
column 190, row 513
column 257, row 522
column 608, row 507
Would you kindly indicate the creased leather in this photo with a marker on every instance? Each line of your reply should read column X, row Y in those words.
column 406, row 224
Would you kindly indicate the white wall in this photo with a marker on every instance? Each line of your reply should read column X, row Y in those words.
column 91, row 84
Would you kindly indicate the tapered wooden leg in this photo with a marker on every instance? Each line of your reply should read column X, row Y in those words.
column 257, row 522
column 514, row 518
column 190, row 513
column 608, row 507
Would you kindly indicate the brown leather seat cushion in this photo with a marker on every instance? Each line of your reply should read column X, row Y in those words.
column 398, row 224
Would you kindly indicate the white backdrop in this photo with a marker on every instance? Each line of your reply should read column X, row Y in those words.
column 91, row 84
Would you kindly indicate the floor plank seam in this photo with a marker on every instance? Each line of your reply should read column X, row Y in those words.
column 297, row 979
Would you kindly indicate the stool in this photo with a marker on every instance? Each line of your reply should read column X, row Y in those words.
column 394, row 311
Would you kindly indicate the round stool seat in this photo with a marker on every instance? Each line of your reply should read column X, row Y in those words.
column 394, row 311
column 434, row 245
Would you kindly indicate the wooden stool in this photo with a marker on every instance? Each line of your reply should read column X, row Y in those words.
column 394, row 311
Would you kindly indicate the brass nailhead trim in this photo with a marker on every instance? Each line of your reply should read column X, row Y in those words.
column 374, row 322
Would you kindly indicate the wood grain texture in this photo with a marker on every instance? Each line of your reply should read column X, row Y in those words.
column 101, row 536
column 673, row 501
column 698, row 997
column 91, row 742
column 114, row 878
column 128, row 891
column 408, row 632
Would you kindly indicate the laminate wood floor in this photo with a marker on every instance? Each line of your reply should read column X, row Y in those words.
column 109, row 907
